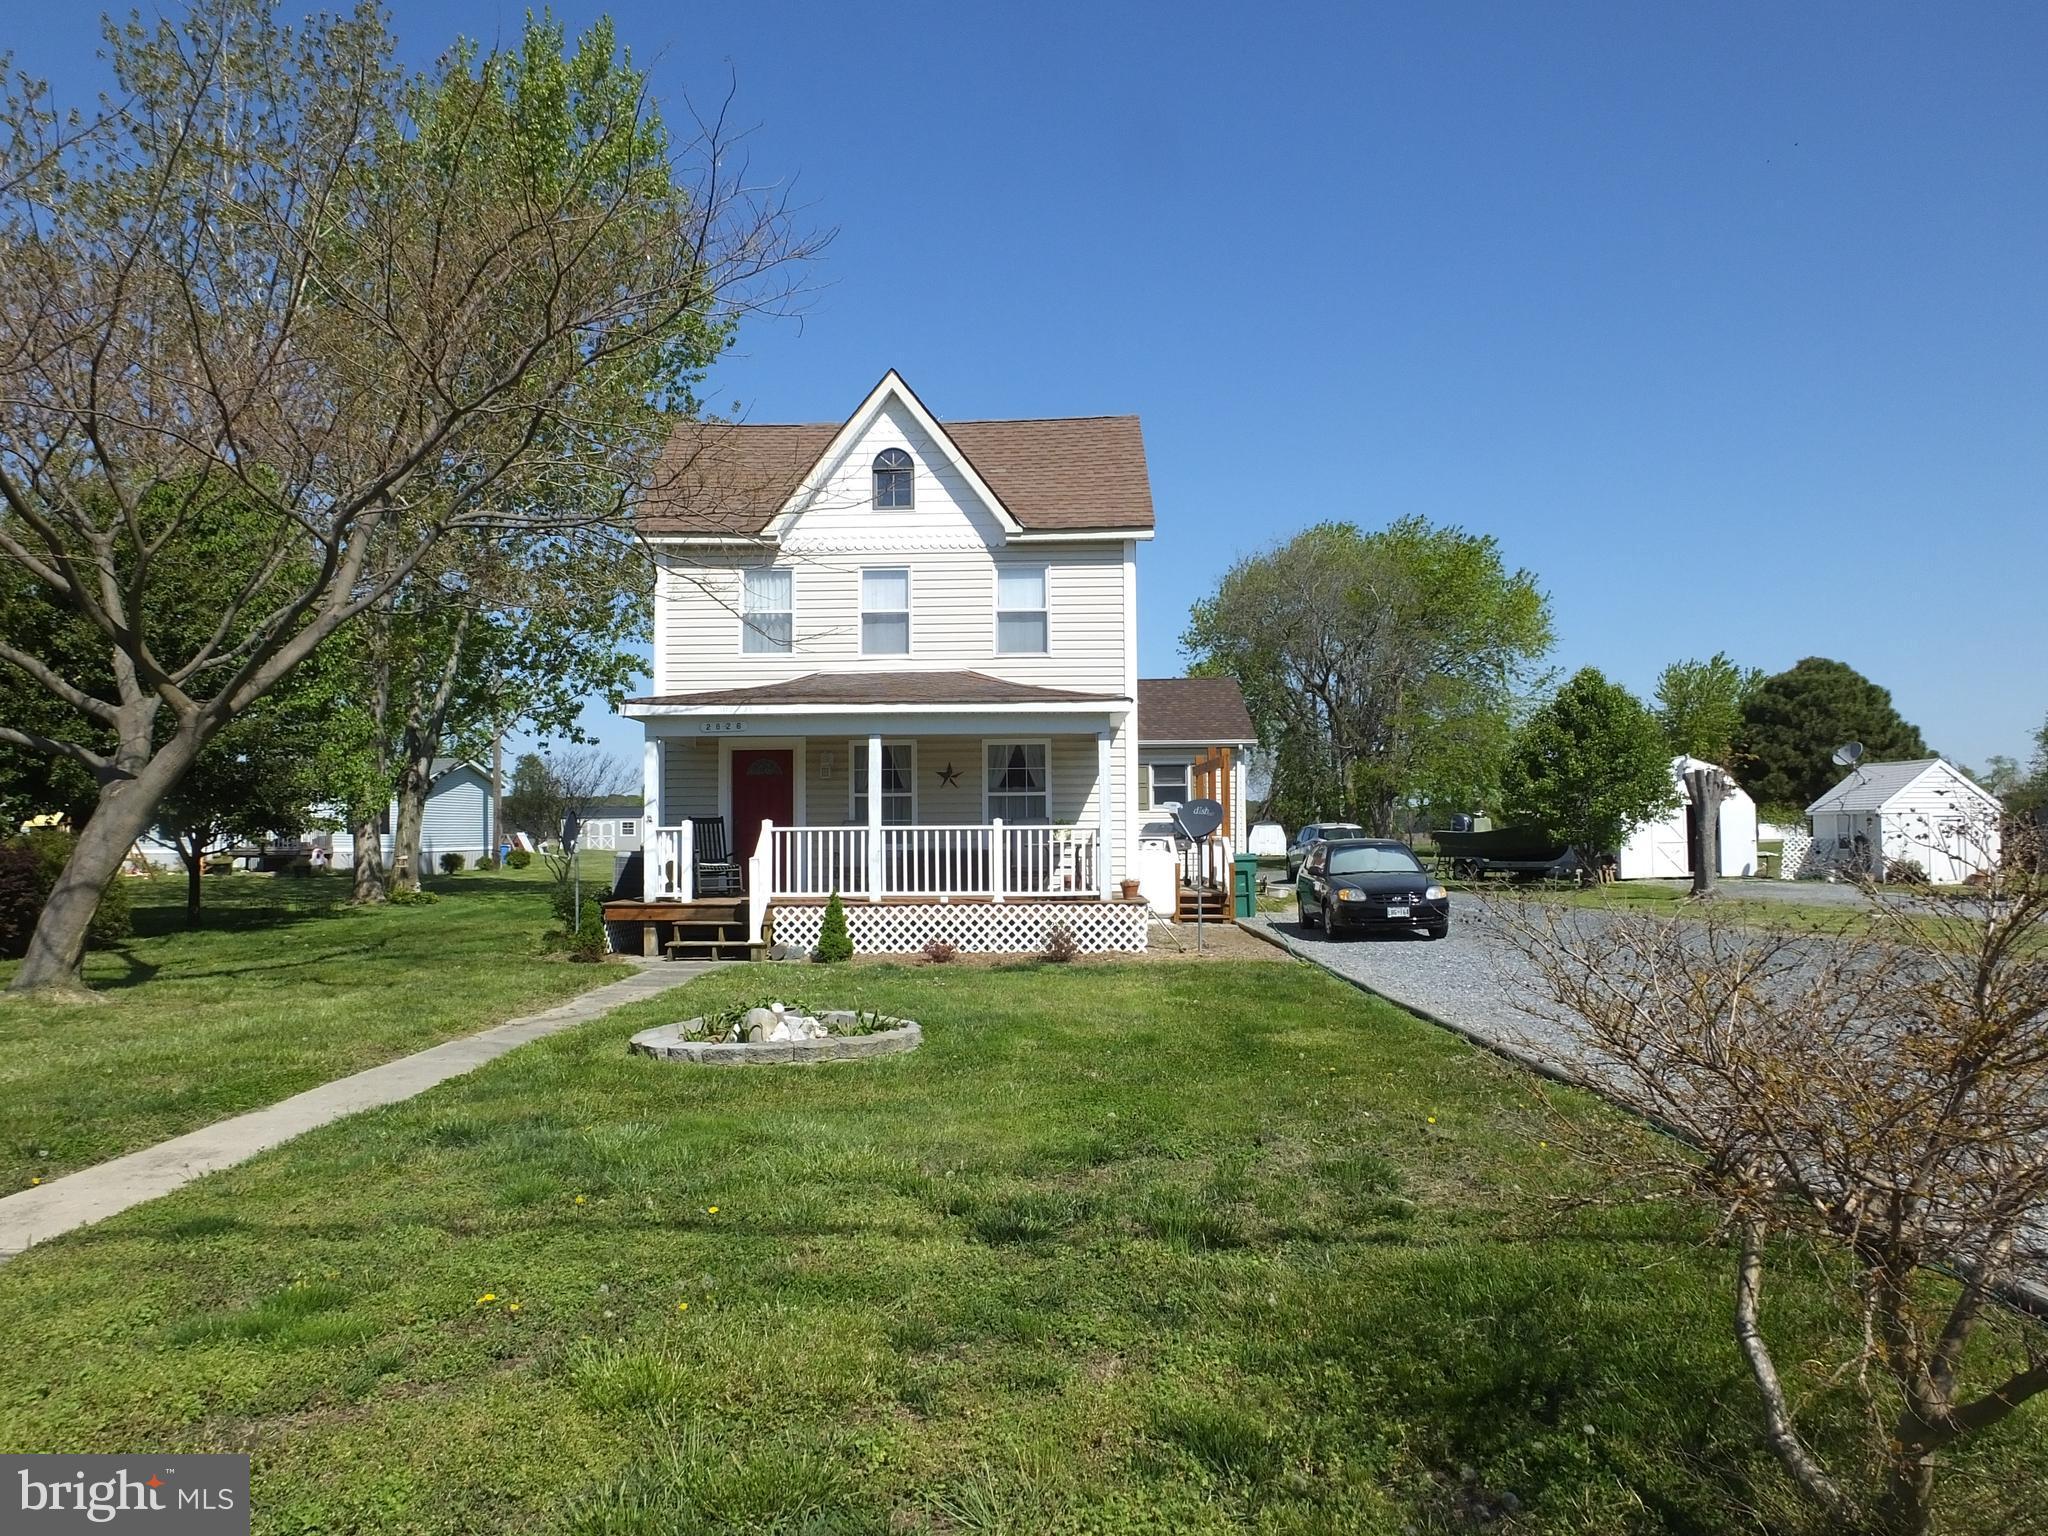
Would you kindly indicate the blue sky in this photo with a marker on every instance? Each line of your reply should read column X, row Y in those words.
column 1730, row 322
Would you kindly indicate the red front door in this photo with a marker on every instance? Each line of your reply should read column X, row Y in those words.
column 763, row 789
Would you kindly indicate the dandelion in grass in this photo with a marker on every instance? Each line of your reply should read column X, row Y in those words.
column 513, row 1307
column 579, row 1199
column 1432, row 1119
column 487, row 1298
column 710, row 1210
column 682, row 1306
column 35, row 1181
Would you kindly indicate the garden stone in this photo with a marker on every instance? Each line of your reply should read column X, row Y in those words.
column 756, row 1034
column 762, row 1019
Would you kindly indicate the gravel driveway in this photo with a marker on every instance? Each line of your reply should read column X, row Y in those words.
column 1473, row 981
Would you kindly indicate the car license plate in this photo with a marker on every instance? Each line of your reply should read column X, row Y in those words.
column 1397, row 911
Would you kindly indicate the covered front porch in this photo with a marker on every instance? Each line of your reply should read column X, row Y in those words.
column 1019, row 802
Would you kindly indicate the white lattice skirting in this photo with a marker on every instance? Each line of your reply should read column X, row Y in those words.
column 983, row 928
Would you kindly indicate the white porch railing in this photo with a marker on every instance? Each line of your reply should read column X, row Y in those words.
column 1207, row 863
column 990, row 861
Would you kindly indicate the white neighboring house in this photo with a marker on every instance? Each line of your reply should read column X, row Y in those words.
column 1927, row 810
column 455, row 819
column 896, row 658
column 1662, row 849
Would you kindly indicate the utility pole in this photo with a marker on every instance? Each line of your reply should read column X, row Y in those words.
column 497, row 792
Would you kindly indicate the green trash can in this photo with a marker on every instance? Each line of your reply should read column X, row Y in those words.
column 1245, row 884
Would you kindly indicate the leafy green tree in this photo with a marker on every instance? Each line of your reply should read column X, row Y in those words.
column 1378, row 666
column 1589, row 767
column 1700, row 704
column 1794, row 721
column 356, row 307
column 834, row 942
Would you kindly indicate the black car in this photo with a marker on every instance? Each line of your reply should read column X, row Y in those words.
column 1364, row 885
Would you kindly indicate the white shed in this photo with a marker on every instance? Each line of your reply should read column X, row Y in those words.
column 1928, row 811
column 1662, row 849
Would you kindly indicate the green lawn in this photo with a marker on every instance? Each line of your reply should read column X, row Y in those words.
column 1141, row 1248
column 286, row 986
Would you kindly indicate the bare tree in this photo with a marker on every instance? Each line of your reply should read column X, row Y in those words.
column 1884, row 1094
column 274, row 271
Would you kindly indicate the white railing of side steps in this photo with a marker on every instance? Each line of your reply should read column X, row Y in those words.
column 1207, row 863
column 988, row 861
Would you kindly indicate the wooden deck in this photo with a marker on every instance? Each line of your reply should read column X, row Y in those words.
column 710, row 928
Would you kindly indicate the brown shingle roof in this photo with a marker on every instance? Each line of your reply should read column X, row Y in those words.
column 864, row 688
column 1192, row 709
column 1075, row 473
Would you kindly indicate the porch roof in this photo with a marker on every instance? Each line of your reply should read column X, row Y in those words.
column 890, row 689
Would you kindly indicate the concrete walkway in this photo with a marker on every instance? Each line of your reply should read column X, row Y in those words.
column 93, row 1194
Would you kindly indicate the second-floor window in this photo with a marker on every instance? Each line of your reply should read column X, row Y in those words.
column 893, row 474
column 885, row 612
column 767, row 610
column 1020, row 610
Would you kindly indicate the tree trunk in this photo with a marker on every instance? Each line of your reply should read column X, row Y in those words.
column 1908, row 1506
column 1706, row 788
column 496, row 839
column 367, row 870
column 413, row 782
column 195, row 862
column 126, row 806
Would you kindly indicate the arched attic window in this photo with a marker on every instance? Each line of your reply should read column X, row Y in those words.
column 892, row 478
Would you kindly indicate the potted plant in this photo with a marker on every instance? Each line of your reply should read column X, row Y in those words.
column 1130, row 889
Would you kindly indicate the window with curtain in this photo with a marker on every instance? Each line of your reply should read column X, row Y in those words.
column 767, row 610
column 893, row 476
column 1016, row 781
column 1020, row 610
column 899, row 766
column 1169, row 785
column 885, row 613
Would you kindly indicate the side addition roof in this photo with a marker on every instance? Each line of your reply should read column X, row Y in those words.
column 1193, row 709
column 1066, row 474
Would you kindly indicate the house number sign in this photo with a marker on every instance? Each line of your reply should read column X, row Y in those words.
column 721, row 727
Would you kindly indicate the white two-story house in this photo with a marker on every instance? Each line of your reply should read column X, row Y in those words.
column 896, row 659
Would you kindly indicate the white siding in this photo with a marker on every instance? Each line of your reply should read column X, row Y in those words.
column 1944, row 824
column 690, row 779
column 951, row 544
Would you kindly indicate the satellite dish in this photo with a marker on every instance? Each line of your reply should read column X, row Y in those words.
column 1198, row 818
column 1849, row 754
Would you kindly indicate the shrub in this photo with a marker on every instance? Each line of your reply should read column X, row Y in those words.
column 451, row 863
column 1906, row 872
column 834, row 943
column 518, row 858
column 939, row 951
column 1060, row 945
column 404, row 898
column 487, row 861
column 38, row 856
column 587, row 943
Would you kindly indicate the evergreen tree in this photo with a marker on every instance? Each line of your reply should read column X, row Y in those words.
column 834, row 943
column 1784, row 754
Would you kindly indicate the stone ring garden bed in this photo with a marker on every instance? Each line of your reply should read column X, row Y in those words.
column 774, row 1037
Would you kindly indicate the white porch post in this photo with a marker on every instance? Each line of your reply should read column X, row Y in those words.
column 650, row 780
column 1103, row 804
column 875, row 891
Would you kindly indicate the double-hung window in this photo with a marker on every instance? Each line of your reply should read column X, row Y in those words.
column 1017, row 781
column 899, row 772
column 885, row 612
column 1020, row 610
column 1169, row 785
column 767, row 609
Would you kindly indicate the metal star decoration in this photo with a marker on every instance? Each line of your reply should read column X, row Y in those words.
column 949, row 776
